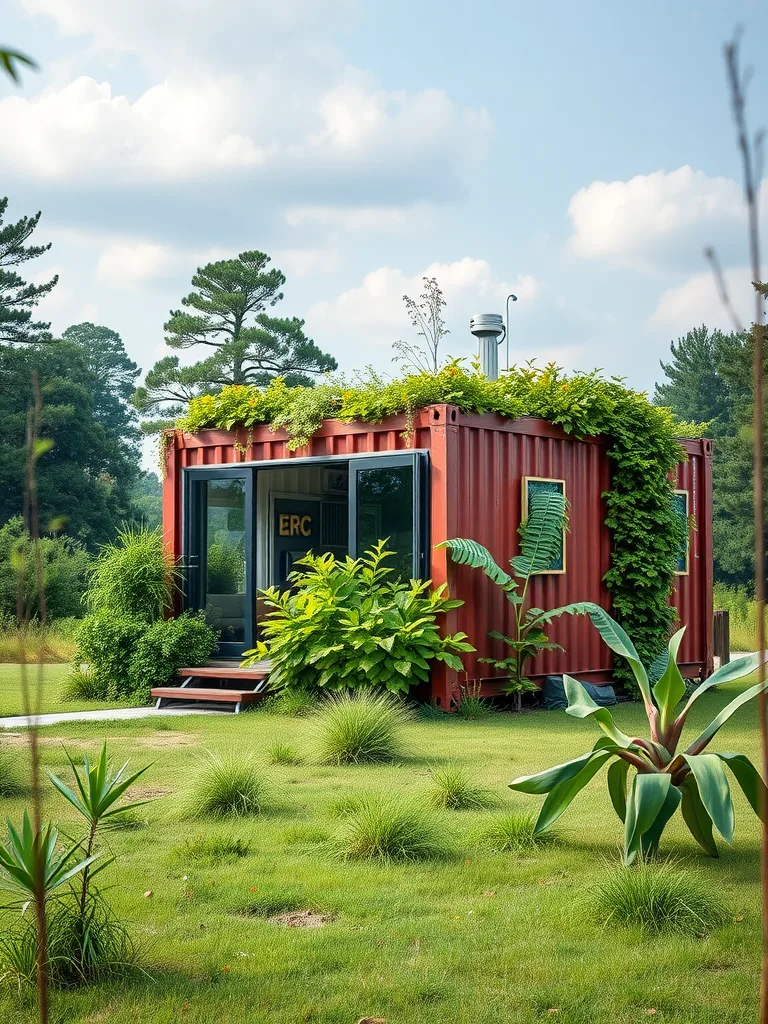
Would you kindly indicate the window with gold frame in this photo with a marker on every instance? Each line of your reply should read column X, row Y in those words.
column 530, row 485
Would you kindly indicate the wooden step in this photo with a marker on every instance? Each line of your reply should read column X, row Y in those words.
column 205, row 694
column 258, row 671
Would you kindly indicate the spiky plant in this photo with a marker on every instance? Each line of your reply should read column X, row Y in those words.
column 514, row 832
column 359, row 727
column 227, row 787
column 454, row 789
column 665, row 777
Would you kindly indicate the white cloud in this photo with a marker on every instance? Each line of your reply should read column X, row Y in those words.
column 355, row 218
column 192, row 127
column 126, row 264
column 697, row 301
column 302, row 262
column 657, row 220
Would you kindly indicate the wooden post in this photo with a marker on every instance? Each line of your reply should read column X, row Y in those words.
column 722, row 637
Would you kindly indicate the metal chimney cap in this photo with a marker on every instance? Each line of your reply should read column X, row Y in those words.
column 486, row 323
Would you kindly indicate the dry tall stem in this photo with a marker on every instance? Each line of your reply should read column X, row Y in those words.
column 751, row 151
column 32, row 692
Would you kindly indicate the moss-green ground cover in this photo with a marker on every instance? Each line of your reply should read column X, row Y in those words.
column 479, row 938
column 53, row 678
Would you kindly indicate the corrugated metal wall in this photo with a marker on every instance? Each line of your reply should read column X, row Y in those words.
column 477, row 467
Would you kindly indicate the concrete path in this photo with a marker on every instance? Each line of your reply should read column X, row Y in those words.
column 106, row 715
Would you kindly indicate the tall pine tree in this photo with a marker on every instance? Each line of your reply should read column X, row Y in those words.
column 225, row 313
column 18, row 298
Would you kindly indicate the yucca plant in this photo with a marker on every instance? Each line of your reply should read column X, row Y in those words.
column 541, row 539
column 665, row 778
column 96, row 798
column 31, row 868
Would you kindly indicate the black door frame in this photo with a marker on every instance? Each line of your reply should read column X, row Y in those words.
column 193, row 553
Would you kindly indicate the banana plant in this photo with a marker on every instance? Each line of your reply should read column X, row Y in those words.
column 96, row 800
column 666, row 776
column 31, row 867
column 541, row 538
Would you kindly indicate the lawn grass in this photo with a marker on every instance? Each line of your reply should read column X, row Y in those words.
column 479, row 938
column 11, row 702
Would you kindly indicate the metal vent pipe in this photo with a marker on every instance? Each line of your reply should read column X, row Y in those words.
column 489, row 330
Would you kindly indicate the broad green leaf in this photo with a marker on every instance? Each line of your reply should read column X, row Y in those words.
column 468, row 552
column 618, row 641
column 719, row 721
column 714, row 790
column 650, row 840
column 617, row 786
column 750, row 781
column 563, row 793
column 696, row 818
column 646, row 798
column 725, row 674
column 581, row 705
column 670, row 689
column 544, row 781
column 577, row 608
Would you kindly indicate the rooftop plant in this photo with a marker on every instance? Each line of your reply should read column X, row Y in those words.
column 666, row 777
column 646, row 532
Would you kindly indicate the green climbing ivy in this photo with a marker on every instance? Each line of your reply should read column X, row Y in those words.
column 647, row 535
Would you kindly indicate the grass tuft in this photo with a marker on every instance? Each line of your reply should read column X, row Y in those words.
column 514, row 833
column 83, row 684
column 391, row 828
column 354, row 728
column 295, row 703
column 345, row 805
column 305, row 835
column 227, row 787
column 12, row 777
column 454, row 789
column 284, row 754
column 658, row 897
column 212, row 848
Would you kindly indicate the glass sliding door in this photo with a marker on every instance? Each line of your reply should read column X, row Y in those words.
column 388, row 499
column 218, row 569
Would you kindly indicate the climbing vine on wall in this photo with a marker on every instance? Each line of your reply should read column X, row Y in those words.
column 647, row 535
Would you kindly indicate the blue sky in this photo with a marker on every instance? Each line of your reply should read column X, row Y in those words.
column 580, row 155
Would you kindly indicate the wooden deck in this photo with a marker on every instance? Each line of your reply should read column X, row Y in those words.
column 200, row 684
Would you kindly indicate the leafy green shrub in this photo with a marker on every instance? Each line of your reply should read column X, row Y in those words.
column 513, row 832
column 135, row 576
column 345, row 624
column 12, row 775
column 659, row 898
column 107, row 641
column 665, row 779
column 390, row 828
column 212, row 848
column 65, row 571
column 230, row 786
column 165, row 647
column 453, row 788
column 295, row 702
column 83, row 684
column 351, row 728
column 283, row 753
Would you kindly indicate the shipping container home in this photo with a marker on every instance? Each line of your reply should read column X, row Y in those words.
column 239, row 508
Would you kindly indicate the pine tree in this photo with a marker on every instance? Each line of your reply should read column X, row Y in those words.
column 17, row 297
column 225, row 313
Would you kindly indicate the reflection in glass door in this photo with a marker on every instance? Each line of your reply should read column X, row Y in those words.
column 219, row 553
column 388, row 502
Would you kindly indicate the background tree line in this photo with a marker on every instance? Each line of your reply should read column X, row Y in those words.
column 91, row 483
column 709, row 378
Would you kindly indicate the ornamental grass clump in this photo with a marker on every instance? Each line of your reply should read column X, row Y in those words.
column 283, row 754
column 658, row 898
column 232, row 786
column 12, row 775
column 211, row 848
column 390, row 828
column 361, row 727
column 665, row 777
column 453, row 788
column 514, row 832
